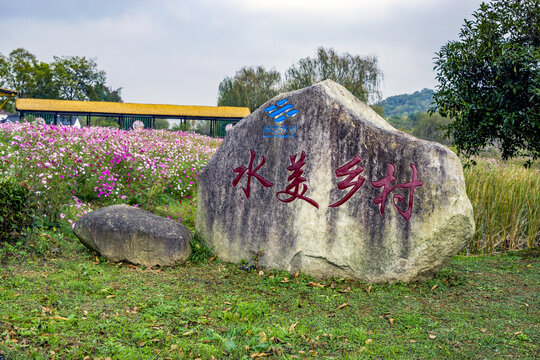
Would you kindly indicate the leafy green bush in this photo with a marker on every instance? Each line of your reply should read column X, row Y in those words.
column 200, row 252
column 161, row 124
column 105, row 122
column 181, row 127
column 16, row 209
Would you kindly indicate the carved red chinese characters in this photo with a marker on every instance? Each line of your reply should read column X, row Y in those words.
column 386, row 183
column 251, row 173
column 352, row 170
column 293, row 189
column 345, row 170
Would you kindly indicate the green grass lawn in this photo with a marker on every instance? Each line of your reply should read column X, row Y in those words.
column 68, row 303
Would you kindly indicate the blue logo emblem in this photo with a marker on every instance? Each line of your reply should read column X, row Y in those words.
column 282, row 111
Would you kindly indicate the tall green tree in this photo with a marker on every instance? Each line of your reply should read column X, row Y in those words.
column 21, row 71
column 489, row 80
column 76, row 77
column 102, row 92
column 360, row 75
column 250, row 87
column 67, row 77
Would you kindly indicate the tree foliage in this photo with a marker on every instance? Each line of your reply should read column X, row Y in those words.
column 22, row 71
column 407, row 104
column 76, row 77
column 66, row 78
column 250, row 87
column 161, row 124
column 431, row 127
column 489, row 80
column 360, row 75
column 253, row 86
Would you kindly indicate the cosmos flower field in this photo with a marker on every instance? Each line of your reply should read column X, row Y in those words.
column 73, row 170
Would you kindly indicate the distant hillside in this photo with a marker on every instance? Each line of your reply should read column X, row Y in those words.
column 407, row 104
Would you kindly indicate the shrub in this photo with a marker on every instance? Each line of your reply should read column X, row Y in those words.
column 200, row 252
column 161, row 124
column 16, row 209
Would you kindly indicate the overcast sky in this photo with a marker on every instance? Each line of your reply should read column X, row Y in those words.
column 177, row 52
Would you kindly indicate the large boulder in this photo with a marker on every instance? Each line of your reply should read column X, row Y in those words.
column 320, row 183
column 126, row 233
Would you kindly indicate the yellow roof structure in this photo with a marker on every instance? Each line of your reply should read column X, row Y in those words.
column 102, row 107
column 7, row 92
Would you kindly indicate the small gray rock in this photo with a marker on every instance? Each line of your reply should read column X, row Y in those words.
column 125, row 233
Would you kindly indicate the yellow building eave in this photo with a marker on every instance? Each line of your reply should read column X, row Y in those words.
column 7, row 92
column 101, row 107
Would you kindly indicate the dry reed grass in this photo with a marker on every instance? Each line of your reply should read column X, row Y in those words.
column 506, row 202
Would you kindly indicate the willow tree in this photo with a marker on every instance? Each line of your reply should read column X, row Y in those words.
column 360, row 75
column 250, row 87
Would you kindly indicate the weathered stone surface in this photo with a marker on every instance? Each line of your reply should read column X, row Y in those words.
column 125, row 233
column 351, row 240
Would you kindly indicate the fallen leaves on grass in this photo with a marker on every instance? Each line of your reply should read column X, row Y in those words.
column 431, row 336
column 433, row 287
column 368, row 341
column 343, row 291
column 260, row 354
column 342, row 306
column 483, row 330
column 315, row 284
column 391, row 321
column 368, row 289
column 212, row 258
column 46, row 310
column 291, row 328
column 135, row 310
column 296, row 274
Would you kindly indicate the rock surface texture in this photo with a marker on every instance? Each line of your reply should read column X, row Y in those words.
column 322, row 184
column 125, row 233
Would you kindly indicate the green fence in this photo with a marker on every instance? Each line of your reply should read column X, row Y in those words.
column 32, row 116
column 148, row 121
column 214, row 127
column 217, row 127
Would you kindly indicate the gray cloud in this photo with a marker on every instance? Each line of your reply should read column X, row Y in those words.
column 178, row 51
